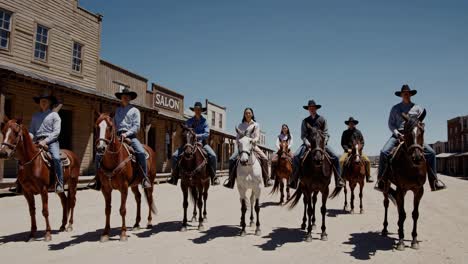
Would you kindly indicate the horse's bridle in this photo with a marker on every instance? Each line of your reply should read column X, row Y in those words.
column 13, row 147
column 108, row 142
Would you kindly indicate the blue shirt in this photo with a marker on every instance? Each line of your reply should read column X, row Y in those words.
column 396, row 122
column 127, row 119
column 45, row 124
column 200, row 126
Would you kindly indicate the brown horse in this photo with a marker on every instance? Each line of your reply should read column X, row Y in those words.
column 117, row 171
column 408, row 173
column 354, row 172
column 283, row 171
column 317, row 171
column 194, row 177
column 36, row 178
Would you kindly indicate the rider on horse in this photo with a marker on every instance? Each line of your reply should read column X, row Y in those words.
column 202, row 130
column 396, row 124
column 127, row 121
column 45, row 129
column 318, row 121
column 285, row 135
column 248, row 124
column 348, row 138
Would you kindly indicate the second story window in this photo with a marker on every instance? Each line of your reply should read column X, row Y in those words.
column 221, row 121
column 41, row 43
column 5, row 29
column 77, row 60
column 213, row 118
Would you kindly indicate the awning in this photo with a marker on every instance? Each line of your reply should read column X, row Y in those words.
column 444, row 155
column 174, row 116
column 461, row 154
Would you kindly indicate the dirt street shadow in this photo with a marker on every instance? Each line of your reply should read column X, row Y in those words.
column 367, row 244
column 217, row 232
column 281, row 236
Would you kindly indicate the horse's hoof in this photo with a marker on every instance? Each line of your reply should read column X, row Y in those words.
column 346, row 209
column 62, row 229
column 308, row 238
column 123, row 238
column 352, row 211
column 149, row 226
column 104, row 238
column 415, row 245
column 324, row 237
column 401, row 246
column 194, row 219
column 30, row 239
column 243, row 233
column 258, row 232
column 136, row 228
column 362, row 211
column 205, row 220
column 303, row 227
column 70, row 229
column 251, row 224
column 201, row 228
column 47, row 238
column 183, row 229
column 314, row 227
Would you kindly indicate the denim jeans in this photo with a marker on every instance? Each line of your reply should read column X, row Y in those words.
column 212, row 159
column 392, row 142
column 54, row 150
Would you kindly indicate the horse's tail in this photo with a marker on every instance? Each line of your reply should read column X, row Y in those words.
column 335, row 192
column 150, row 201
column 294, row 200
column 276, row 186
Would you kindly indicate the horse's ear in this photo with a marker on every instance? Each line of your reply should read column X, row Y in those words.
column 422, row 115
column 405, row 116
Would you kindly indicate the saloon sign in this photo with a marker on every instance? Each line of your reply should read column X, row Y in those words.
column 166, row 101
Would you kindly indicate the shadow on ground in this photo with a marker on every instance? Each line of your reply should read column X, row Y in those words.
column 367, row 244
column 281, row 236
column 217, row 232
column 93, row 236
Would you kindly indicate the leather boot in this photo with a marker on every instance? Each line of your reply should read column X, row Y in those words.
column 174, row 177
column 232, row 178
column 214, row 178
column 368, row 173
column 434, row 182
column 146, row 182
column 339, row 181
column 266, row 178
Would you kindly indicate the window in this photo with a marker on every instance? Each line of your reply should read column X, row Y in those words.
column 77, row 57
column 213, row 118
column 41, row 43
column 5, row 29
column 121, row 87
column 221, row 121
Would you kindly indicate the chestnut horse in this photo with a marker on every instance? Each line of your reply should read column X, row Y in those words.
column 408, row 173
column 284, row 170
column 35, row 177
column 117, row 171
column 317, row 172
column 354, row 172
column 194, row 177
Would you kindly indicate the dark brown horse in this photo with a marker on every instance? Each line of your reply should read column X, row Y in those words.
column 317, row 172
column 283, row 171
column 408, row 173
column 35, row 176
column 117, row 171
column 354, row 172
column 194, row 177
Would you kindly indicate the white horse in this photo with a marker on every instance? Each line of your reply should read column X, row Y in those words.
column 249, row 177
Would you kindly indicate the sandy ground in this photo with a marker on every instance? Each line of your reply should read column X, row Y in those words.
column 443, row 230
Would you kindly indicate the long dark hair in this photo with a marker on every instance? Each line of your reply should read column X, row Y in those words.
column 253, row 115
column 289, row 132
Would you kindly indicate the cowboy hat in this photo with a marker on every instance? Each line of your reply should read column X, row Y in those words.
column 406, row 88
column 351, row 120
column 198, row 105
column 312, row 103
column 45, row 95
column 126, row 91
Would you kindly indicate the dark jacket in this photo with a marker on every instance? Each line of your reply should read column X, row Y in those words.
column 319, row 122
column 348, row 136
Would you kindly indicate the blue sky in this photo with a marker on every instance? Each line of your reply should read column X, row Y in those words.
column 274, row 55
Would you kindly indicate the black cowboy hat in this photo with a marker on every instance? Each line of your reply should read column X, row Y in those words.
column 127, row 91
column 312, row 103
column 45, row 95
column 406, row 88
column 351, row 120
column 198, row 105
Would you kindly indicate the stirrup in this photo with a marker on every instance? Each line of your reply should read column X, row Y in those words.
column 146, row 183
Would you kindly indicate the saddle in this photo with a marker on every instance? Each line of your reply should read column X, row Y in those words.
column 131, row 151
column 326, row 170
column 47, row 158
